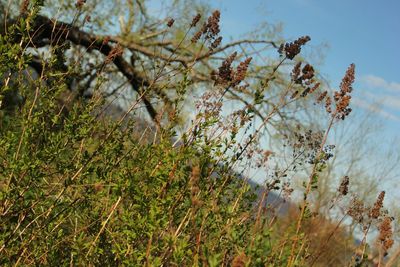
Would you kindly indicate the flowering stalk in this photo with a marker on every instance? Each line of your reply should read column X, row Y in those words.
column 342, row 101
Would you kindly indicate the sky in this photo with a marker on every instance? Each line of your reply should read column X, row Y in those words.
column 364, row 32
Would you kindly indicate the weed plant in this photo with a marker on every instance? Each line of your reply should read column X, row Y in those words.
column 80, row 188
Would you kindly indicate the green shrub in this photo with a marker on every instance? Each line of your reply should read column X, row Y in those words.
column 79, row 187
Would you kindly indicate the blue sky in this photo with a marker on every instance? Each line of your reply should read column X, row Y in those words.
column 364, row 32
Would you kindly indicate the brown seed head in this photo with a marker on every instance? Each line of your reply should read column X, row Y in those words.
column 308, row 72
column 357, row 210
column 292, row 49
column 305, row 78
column 196, row 36
column 194, row 183
column 225, row 72
column 241, row 71
column 296, row 72
column 80, row 3
column 386, row 234
column 239, row 260
column 314, row 88
column 204, row 28
column 216, row 43
column 213, row 23
column 195, row 20
column 294, row 94
column 328, row 104
column 348, row 80
column 195, row 175
column 210, row 29
column 24, row 6
column 197, row 203
column 322, row 96
column 376, row 209
column 98, row 187
column 170, row 23
column 342, row 97
column 344, row 186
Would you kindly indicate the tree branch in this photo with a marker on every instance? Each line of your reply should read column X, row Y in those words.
column 55, row 33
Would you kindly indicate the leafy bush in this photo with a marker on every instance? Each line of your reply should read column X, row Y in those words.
column 81, row 186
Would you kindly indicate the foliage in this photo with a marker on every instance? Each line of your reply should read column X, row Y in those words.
column 81, row 186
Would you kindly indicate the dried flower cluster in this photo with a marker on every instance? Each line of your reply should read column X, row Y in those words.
column 227, row 76
column 242, row 116
column 365, row 216
column 80, row 3
column 287, row 191
column 344, row 186
column 239, row 260
column 195, row 20
column 357, row 210
column 170, row 23
column 342, row 98
column 322, row 96
column 225, row 71
column 306, row 145
column 263, row 156
column 209, row 30
column 241, row 71
column 305, row 78
column 376, row 209
column 302, row 76
column 24, row 6
column 196, row 36
column 210, row 104
column 386, row 234
column 194, row 188
column 292, row 49
column 215, row 43
column 328, row 104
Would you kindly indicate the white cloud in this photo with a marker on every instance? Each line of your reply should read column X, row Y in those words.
column 373, row 81
column 380, row 96
column 388, row 101
column 375, row 108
